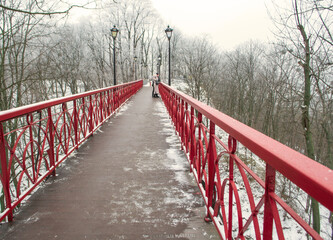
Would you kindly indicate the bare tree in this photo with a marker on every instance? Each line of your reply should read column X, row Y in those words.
column 198, row 57
column 309, row 41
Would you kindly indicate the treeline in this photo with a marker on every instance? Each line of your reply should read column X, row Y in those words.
column 45, row 53
column 262, row 86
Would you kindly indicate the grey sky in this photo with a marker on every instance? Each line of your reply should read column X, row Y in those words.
column 227, row 23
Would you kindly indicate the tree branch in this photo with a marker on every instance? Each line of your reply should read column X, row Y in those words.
column 40, row 13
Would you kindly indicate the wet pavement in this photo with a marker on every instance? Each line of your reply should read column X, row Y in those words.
column 128, row 181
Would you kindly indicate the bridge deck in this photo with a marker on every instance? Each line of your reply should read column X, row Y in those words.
column 129, row 181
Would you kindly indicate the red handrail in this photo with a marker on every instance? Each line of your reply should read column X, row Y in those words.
column 31, row 151
column 207, row 153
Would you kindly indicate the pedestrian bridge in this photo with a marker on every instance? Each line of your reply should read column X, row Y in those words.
column 116, row 163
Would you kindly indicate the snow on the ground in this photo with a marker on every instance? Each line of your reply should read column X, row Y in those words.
column 177, row 162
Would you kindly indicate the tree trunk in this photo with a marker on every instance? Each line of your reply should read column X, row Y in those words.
column 306, row 120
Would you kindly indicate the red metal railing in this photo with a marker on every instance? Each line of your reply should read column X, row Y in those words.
column 35, row 139
column 215, row 162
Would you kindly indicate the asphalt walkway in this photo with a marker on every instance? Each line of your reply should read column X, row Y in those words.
column 128, row 181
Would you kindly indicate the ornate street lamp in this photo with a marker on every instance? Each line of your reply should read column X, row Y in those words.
column 168, row 32
column 159, row 63
column 135, row 58
column 141, row 77
column 114, row 33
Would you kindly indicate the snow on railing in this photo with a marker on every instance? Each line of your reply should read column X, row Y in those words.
column 227, row 183
column 36, row 138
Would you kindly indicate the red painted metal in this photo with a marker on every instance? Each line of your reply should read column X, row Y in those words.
column 218, row 186
column 32, row 151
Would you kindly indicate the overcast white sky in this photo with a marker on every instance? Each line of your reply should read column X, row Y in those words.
column 227, row 22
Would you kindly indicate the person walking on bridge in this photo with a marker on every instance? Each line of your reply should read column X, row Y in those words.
column 156, row 81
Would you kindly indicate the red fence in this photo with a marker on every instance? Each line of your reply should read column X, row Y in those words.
column 35, row 139
column 239, row 200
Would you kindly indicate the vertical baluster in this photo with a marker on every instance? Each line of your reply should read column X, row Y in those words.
column 121, row 95
column 174, row 110
column 101, row 107
column 64, row 110
column 51, row 141
column 75, row 125
column 177, row 114
column 5, row 174
column 115, row 98
column 83, row 113
column 187, row 137
column 198, row 156
column 182, row 122
column 31, row 140
column 211, row 152
column 232, row 144
column 91, row 126
column 199, row 125
column 268, row 213
column 170, row 104
column 112, row 100
column 109, row 103
column 192, row 136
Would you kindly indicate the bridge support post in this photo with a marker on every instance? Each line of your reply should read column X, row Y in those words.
column 211, row 169
column 268, row 211
column 51, row 141
column 192, row 136
column 5, row 174
column 75, row 112
column 90, row 114
column 182, row 124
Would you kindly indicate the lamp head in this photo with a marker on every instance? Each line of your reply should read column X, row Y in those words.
column 168, row 32
column 114, row 32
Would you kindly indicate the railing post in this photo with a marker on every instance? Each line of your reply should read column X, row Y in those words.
column 121, row 95
column 187, row 132
column 182, row 122
column 109, row 102
column 177, row 117
column 101, row 107
column 51, row 141
column 115, row 98
column 5, row 174
column 31, row 140
column 83, row 110
column 90, row 109
column 172, row 103
column 211, row 151
column 268, row 213
column 75, row 125
column 199, row 125
column 192, row 136
column 112, row 100
column 65, row 110
column 232, row 149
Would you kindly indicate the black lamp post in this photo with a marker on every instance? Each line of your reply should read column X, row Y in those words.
column 141, row 77
column 159, row 63
column 168, row 32
column 114, row 32
column 146, row 72
column 135, row 58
